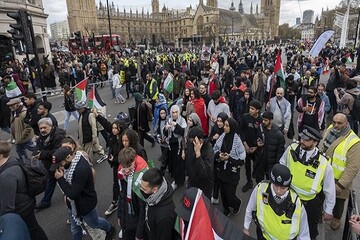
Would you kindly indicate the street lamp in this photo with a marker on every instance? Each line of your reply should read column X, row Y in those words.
column 108, row 15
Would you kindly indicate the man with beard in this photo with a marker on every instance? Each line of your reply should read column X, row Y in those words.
column 204, row 94
column 342, row 145
column 281, row 109
column 311, row 110
column 43, row 111
column 74, row 175
column 313, row 177
column 49, row 140
column 160, row 208
column 32, row 117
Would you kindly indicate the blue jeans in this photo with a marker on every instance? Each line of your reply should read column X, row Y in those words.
column 92, row 219
column 49, row 190
column 21, row 150
column 13, row 227
column 75, row 114
column 112, row 90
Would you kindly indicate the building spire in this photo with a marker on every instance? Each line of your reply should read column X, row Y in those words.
column 241, row 7
column 232, row 8
column 251, row 9
column 257, row 9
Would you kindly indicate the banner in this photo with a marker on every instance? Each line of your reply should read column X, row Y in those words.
column 320, row 42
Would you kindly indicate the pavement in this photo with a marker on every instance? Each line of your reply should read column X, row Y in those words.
column 53, row 220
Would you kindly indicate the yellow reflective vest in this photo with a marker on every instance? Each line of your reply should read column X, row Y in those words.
column 272, row 225
column 307, row 181
column 338, row 160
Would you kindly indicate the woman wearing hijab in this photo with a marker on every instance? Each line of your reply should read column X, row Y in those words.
column 174, row 132
column 160, row 102
column 141, row 121
column 216, row 132
column 193, row 120
column 161, row 138
column 230, row 155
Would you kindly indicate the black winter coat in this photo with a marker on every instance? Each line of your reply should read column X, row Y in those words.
column 273, row 149
column 200, row 170
column 5, row 112
column 130, row 221
column 82, row 190
column 47, row 146
column 161, row 218
column 141, row 121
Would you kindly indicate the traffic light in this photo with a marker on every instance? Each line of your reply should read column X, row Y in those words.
column 20, row 30
column 78, row 39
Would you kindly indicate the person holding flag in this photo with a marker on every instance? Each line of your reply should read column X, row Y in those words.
column 131, row 205
column 276, row 209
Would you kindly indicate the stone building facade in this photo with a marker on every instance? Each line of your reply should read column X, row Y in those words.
column 206, row 23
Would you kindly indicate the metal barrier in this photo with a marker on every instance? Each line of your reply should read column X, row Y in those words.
column 352, row 209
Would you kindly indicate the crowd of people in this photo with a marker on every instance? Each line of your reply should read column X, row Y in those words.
column 209, row 118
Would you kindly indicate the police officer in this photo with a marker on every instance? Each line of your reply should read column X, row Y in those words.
column 312, row 175
column 276, row 209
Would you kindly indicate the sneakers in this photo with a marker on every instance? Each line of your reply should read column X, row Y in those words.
column 335, row 224
column 247, row 186
column 41, row 206
column 111, row 234
column 68, row 221
column 120, row 235
column 237, row 211
column 112, row 208
column 214, row 200
column 173, row 185
column 102, row 158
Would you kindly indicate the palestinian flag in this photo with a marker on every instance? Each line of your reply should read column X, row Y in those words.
column 169, row 83
column 12, row 90
column 94, row 99
column 348, row 58
column 208, row 223
column 279, row 72
column 80, row 91
column 140, row 168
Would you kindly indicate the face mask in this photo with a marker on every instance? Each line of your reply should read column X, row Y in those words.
column 145, row 195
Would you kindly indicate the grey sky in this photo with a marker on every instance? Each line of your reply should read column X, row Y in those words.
column 289, row 10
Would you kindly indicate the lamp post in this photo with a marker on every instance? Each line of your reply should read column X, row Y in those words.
column 108, row 15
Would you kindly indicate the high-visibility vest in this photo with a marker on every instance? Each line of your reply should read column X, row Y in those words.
column 151, row 90
column 306, row 181
column 272, row 225
column 338, row 159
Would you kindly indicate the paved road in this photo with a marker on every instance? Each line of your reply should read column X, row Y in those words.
column 53, row 219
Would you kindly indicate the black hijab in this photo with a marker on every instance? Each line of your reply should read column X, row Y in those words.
column 229, row 137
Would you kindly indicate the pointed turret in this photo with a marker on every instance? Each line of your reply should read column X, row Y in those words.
column 257, row 9
column 251, row 9
column 232, row 8
column 241, row 7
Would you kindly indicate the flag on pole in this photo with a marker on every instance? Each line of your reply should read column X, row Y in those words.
column 94, row 99
column 279, row 71
column 205, row 222
column 169, row 83
column 80, row 91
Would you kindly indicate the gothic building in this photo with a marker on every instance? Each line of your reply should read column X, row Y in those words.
column 207, row 23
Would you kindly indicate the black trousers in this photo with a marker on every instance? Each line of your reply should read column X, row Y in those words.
column 313, row 209
column 250, row 157
column 116, row 187
column 338, row 208
column 143, row 135
column 164, row 159
column 228, row 196
column 36, row 232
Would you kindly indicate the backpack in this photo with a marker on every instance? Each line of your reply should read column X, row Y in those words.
column 355, row 112
column 149, row 111
column 36, row 177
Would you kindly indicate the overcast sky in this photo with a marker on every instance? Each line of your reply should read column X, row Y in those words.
column 290, row 9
